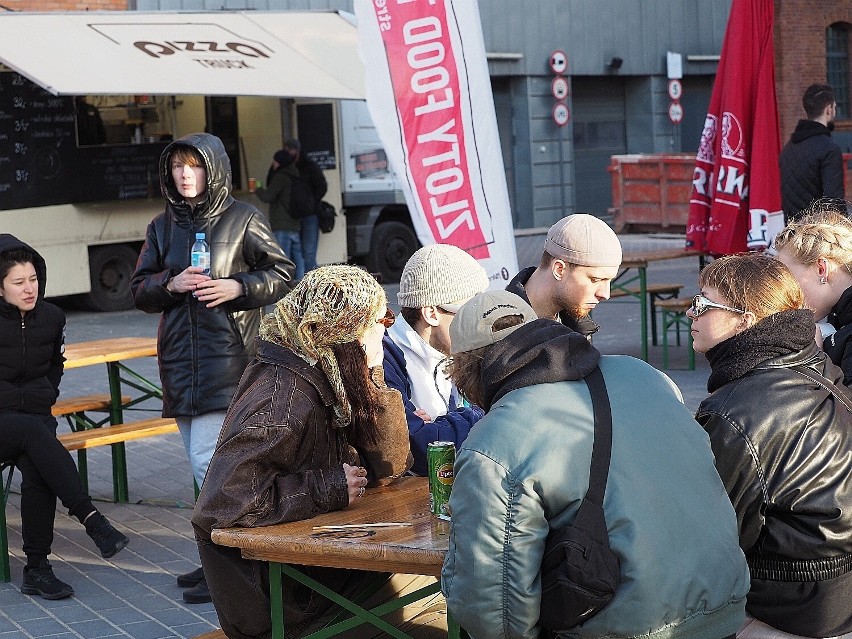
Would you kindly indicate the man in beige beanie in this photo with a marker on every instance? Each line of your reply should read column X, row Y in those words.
column 435, row 282
column 581, row 257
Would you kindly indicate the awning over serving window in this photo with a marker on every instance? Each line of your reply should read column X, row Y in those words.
column 260, row 53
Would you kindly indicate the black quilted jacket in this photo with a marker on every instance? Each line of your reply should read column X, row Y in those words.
column 811, row 168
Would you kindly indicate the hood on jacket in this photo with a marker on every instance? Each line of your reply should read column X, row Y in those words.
column 807, row 129
column 10, row 242
column 539, row 352
column 216, row 164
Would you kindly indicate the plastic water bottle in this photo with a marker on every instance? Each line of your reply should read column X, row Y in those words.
column 201, row 254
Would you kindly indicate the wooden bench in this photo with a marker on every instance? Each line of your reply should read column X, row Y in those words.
column 81, row 440
column 213, row 634
column 673, row 316
column 656, row 293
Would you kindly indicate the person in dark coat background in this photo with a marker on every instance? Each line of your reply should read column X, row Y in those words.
column 278, row 194
column 313, row 186
column 811, row 162
column 209, row 323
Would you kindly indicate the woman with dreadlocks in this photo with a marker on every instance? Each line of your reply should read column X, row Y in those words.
column 311, row 425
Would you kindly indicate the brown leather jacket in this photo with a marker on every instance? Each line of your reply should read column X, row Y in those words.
column 279, row 459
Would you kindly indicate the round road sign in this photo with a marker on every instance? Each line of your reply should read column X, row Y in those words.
column 558, row 61
column 559, row 87
column 675, row 112
column 675, row 89
column 561, row 114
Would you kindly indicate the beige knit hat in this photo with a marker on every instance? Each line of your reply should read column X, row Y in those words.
column 440, row 274
column 473, row 325
column 332, row 304
column 584, row 240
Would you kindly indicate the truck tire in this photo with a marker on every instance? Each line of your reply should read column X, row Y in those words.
column 110, row 269
column 391, row 246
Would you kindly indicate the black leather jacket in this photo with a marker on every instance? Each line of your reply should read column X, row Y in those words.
column 783, row 446
column 202, row 351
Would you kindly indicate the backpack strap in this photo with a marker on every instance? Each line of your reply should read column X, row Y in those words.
column 602, row 444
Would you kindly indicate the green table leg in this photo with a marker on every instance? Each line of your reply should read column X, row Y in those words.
column 360, row 615
column 643, row 310
column 116, row 416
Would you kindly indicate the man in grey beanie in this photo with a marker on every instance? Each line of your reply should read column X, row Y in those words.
column 436, row 281
column 581, row 257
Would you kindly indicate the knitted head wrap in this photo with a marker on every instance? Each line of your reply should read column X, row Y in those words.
column 332, row 304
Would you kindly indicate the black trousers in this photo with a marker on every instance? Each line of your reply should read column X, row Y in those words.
column 47, row 470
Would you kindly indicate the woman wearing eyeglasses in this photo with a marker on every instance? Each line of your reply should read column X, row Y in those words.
column 817, row 248
column 780, row 425
column 311, row 425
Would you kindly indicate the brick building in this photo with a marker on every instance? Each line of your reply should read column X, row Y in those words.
column 812, row 45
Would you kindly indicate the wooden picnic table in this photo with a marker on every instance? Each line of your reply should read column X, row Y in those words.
column 114, row 352
column 639, row 260
column 416, row 548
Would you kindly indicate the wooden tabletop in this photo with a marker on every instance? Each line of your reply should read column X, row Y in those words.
column 114, row 349
column 637, row 259
column 417, row 549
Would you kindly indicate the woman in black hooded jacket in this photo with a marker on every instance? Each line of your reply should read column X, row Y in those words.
column 32, row 343
column 209, row 322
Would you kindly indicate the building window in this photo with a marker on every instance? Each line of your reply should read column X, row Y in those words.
column 837, row 66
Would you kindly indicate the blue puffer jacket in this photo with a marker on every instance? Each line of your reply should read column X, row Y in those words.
column 524, row 469
column 452, row 427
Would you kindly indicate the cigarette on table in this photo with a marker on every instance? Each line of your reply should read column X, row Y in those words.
column 389, row 524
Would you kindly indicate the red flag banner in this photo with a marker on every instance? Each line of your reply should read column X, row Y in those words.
column 736, row 188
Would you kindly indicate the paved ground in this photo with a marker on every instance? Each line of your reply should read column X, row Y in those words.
column 134, row 594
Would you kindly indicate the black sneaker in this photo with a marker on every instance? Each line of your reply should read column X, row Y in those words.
column 198, row 594
column 42, row 581
column 191, row 579
column 107, row 538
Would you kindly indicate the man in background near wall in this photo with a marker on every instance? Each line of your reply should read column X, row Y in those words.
column 309, row 190
column 436, row 281
column 581, row 257
column 811, row 162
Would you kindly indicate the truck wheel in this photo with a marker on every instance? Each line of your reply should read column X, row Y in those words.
column 391, row 246
column 110, row 269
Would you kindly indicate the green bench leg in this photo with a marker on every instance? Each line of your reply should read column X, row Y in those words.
column 5, row 568
column 119, row 473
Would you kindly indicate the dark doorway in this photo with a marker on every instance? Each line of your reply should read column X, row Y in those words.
column 221, row 113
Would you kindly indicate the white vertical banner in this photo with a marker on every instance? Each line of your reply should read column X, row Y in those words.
column 429, row 95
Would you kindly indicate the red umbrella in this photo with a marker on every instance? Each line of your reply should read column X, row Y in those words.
column 736, row 195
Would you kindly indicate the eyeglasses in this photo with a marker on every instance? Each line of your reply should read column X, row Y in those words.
column 388, row 319
column 701, row 305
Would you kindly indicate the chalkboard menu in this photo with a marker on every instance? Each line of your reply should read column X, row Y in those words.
column 316, row 133
column 41, row 164
column 37, row 144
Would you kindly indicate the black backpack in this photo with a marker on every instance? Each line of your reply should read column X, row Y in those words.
column 579, row 571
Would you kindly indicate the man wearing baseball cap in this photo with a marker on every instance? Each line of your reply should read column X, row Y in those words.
column 524, row 470
column 581, row 257
column 436, row 281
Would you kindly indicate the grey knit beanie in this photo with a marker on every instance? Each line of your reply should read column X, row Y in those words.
column 440, row 274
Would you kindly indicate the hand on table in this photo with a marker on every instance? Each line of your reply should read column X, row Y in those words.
column 356, row 481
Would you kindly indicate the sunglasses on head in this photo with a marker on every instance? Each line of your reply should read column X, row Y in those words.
column 701, row 305
column 388, row 319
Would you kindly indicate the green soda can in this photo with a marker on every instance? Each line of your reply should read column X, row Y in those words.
column 440, row 457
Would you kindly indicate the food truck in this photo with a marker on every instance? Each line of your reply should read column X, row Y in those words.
column 78, row 163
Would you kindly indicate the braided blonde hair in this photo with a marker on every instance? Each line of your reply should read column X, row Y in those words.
column 332, row 305
column 823, row 231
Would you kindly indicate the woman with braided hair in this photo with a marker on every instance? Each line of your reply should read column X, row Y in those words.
column 817, row 248
column 311, row 425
